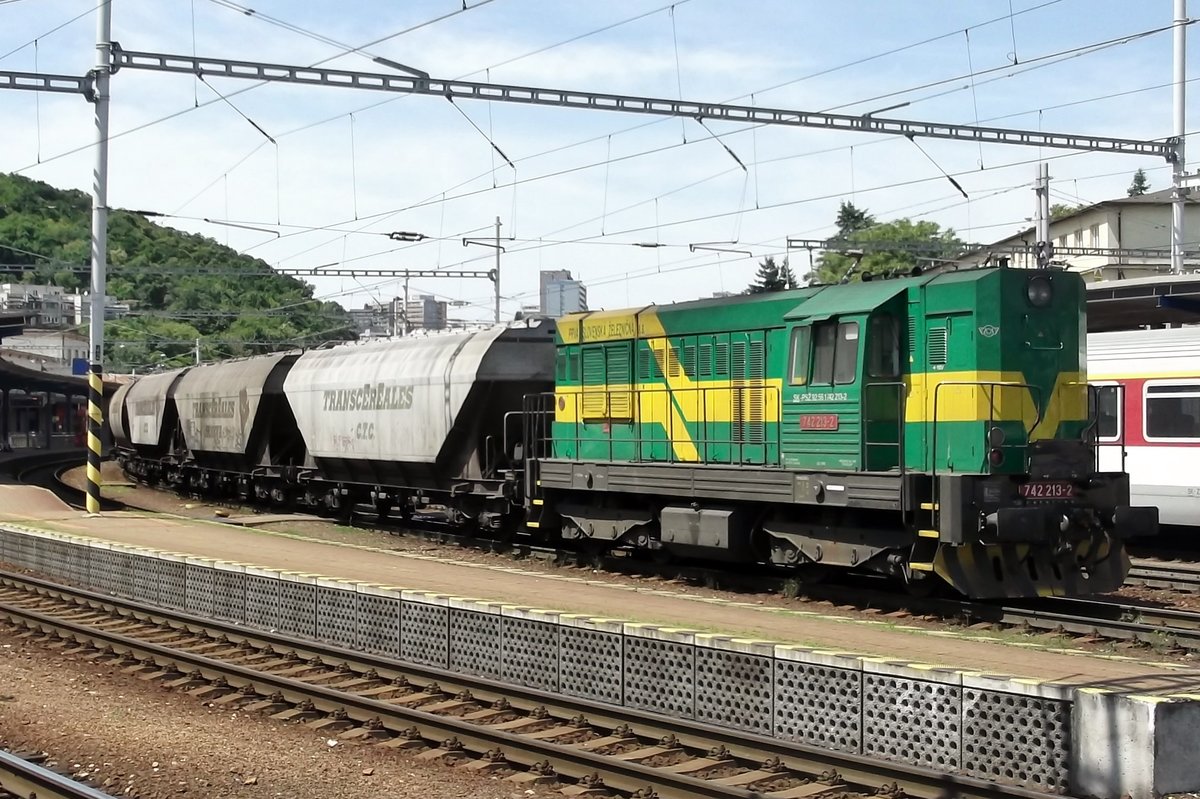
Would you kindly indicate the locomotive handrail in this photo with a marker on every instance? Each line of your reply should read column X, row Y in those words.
column 992, row 385
column 1094, row 422
column 704, row 442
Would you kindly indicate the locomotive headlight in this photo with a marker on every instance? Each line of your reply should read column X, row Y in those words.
column 995, row 437
column 1040, row 291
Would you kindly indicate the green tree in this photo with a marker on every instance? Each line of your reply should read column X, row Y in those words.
column 174, row 278
column 1059, row 210
column 895, row 246
column 143, row 343
column 1140, row 184
column 851, row 219
column 772, row 277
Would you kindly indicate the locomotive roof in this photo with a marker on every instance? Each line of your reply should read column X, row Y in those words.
column 854, row 293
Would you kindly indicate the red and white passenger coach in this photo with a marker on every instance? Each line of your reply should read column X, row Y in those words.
column 1147, row 395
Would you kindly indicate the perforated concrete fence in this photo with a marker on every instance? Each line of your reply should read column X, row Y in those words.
column 991, row 728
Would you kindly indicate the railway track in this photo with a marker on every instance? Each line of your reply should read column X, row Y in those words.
column 45, row 468
column 1170, row 629
column 22, row 778
column 1174, row 575
column 536, row 737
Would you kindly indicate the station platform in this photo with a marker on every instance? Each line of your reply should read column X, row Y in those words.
column 512, row 585
column 1039, row 716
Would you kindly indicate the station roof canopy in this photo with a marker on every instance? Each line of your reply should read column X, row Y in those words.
column 1153, row 301
column 22, row 378
column 11, row 324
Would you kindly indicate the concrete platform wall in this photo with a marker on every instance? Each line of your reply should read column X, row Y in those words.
column 1042, row 736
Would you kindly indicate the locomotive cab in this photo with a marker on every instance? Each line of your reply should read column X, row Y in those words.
column 1000, row 401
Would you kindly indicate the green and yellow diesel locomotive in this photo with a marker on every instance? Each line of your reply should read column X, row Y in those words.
column 934, row 426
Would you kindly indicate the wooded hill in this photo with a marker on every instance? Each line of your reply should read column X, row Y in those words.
column 182, row 286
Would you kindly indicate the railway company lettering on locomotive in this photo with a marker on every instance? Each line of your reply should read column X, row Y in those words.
column 379, row 397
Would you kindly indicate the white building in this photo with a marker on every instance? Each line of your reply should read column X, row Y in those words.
column 43, row 306
column 423, row 313
column 81, row 308
column 372, row 320
column 1130, row 223
column 47, row 350
column 561, row 294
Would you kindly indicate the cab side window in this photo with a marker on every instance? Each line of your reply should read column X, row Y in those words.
column 824, row 344
column 800, row 338
column 835, row 353
column 845, row 359
column 883, row 353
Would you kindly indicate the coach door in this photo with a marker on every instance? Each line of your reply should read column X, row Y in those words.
column 1106, row 412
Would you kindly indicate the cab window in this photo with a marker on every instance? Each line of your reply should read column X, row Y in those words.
column 800, row 355
column 835, row 353
column 824, row 344
column 883, row 353
column 845, row 359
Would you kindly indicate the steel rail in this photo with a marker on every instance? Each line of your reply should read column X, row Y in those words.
column 1165, row 574
column 22, row 778
column 856, row 770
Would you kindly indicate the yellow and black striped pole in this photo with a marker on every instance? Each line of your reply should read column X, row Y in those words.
column 95, row 414
column 99, row 252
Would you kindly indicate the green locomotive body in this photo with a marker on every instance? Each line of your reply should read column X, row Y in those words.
column 927, row 426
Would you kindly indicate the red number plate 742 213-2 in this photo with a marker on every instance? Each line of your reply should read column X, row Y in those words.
column 1049, row 489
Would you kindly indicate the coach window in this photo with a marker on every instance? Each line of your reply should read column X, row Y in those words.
column 1172, row 411
column 883, row 353
column 800, row 338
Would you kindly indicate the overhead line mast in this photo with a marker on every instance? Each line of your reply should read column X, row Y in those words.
column 100, row 75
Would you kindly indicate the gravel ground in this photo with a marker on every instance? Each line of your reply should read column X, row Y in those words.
column 131, row 738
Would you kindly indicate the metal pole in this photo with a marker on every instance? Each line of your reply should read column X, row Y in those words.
column 497, row 270
column 1045, row 200
column 197, row 352
column 1045, row 250
column 407, row 329
column 1178, row 192
column 99, row 255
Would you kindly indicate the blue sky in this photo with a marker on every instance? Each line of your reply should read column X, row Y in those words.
column 588, row 185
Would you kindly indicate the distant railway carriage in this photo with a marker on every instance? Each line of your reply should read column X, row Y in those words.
column 1147, row 393
column 927, row 426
